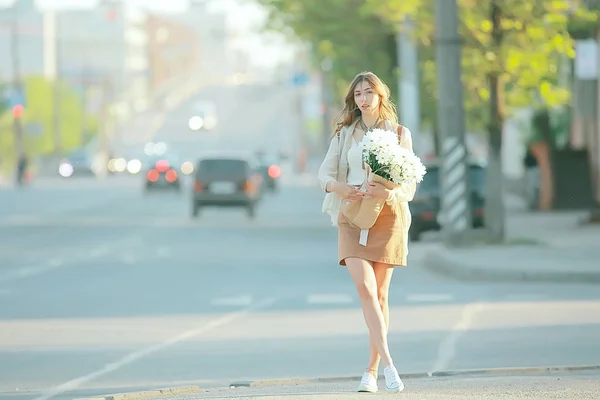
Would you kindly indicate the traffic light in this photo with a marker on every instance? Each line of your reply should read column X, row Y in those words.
column 17, row 111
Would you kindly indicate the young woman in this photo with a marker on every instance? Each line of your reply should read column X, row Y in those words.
column 367, row 106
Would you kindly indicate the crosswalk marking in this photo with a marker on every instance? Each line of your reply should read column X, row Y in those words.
column 329, row 298
column 428, row 297
column 524, row 297
column 174, row 222
column 324, row 299
column 239, row 301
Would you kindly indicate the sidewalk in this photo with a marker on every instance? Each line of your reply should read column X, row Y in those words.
column 564, row 384
column 541, row 247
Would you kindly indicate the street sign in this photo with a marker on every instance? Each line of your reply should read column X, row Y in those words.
column 300, row 79
column 586, row 59
column 16, row 97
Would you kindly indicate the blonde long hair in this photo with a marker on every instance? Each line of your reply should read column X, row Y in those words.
column 350, row 113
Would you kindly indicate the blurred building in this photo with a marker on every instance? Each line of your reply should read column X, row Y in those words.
column 105, row 45
column 214, row 66
column 25, row 21
column 173, row 54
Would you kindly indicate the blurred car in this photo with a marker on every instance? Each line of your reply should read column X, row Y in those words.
column 270, row 174
column 269, row 170
column 426, row 205
column 204, row 116
column 78, row 163
column 225, row 181
column 163, row 173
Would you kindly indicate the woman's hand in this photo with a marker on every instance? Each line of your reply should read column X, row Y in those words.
column 347, row 192
column 377, row 191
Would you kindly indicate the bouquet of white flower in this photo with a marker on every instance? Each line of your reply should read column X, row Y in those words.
column 388, row 164
column 386, row 159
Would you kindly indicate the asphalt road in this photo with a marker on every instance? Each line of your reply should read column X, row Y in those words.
column 105, row 289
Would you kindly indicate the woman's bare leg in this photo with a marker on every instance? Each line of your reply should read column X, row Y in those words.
column 363, row 275
column 383, row 277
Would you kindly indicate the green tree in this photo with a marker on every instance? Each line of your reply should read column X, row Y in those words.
column 3, row 101
column 513, row 51
column 39, row 112
column 512, row 55
column 339, row 30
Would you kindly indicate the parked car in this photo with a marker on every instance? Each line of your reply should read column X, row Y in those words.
column 426, row 205
column 226, row 181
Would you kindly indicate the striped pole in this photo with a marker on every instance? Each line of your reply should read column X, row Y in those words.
column 455, row 217
column 456, row 209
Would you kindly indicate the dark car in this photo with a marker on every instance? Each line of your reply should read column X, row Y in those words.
column 269, row 169
column 426, row 205
column 78, row 163
column 225, row 182
column 270, row 173
column 162, row 173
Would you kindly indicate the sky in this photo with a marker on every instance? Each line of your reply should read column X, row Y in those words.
column 243, row 16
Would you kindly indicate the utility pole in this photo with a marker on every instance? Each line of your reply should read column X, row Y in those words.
column 18, row 91
column 456, row 207
column 494, row 208
column 56, row 88
column 408, row 82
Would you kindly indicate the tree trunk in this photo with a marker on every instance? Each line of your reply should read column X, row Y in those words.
column 494, row 210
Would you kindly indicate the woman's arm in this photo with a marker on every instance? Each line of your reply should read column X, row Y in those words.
column 329, row 167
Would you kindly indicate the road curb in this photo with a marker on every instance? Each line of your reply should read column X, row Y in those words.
column 146, row 394
column 417, row 375
column 436, row 261
column 301, row 381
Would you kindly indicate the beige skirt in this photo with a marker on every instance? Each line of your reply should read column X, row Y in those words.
column 387, row 240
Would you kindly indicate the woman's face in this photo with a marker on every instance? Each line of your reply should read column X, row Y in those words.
column 366, row 99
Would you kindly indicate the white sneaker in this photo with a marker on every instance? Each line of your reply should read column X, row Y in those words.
column 368, row 383
column 393, row 383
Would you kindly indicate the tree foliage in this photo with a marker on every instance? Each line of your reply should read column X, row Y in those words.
column 342, row 31
column 39, row 111
column 533, row 55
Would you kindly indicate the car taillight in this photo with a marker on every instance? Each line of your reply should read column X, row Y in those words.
column 428, row 216
column 162, row 165
column 249, row 185
column 274, row 171
column 198, row 186
column 153, row 175
column 171, row 175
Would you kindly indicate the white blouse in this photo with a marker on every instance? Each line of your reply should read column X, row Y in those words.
column 356, row 172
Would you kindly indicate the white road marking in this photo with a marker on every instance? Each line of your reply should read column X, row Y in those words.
column 99, row 251
column 137, row 355
column 447, row 348
column 429, row 297
column 163, row 251
column 525, row 297
column 57, row 263
column 329, row 298
column 128, row 259
column 240, row 301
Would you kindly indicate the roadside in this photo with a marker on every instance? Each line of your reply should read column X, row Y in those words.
column 563, row 384
column 540, row 247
